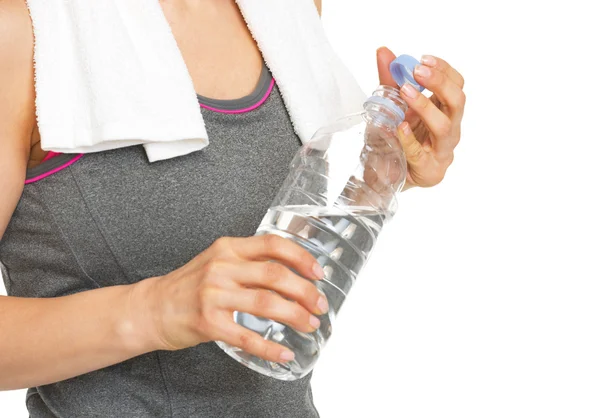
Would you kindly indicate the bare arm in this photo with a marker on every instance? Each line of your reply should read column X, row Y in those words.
column 45, row 340
column 38, row 335
column 16, row 108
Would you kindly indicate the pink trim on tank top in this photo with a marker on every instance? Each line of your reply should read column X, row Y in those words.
column 50, row 154
column 56, row 170
column 247, row 109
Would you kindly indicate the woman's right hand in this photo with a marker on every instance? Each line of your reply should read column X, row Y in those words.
column 195, row 303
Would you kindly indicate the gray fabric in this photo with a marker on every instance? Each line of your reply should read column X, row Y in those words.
column 261, row 89
column 112, row 218
column 48, row 165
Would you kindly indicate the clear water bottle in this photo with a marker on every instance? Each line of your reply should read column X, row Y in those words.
column 341, row 190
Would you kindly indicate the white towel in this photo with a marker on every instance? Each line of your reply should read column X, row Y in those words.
column 315, row 85
column 109, row 74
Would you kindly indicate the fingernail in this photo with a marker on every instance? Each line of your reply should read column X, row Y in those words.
column 314, row 322
column 428, row 60
column 405, row 128
column 286, row 356
column 409, row 90
column 318, row 271
column 322, row 304
column 422, row 71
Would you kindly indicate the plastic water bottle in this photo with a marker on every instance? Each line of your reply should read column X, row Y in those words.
column 341, row 190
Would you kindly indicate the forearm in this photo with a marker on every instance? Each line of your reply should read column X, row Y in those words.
column 47, row 340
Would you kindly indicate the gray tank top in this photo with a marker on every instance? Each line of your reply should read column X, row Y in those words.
column 112, row 218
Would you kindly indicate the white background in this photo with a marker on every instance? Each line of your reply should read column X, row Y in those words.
column 483, row 297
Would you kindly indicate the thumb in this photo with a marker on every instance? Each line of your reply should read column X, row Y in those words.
column 413, row 150
column 384, row 59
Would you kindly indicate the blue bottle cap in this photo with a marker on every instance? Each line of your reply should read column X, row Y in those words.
column 402, row 71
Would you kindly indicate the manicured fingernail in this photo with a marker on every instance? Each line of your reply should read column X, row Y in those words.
column 322, row 304
column 422, row 71
column 428, row 60
column 314, row 322
column 405, row 128
column 318, row 271
column 286, row 356
column 409, row 90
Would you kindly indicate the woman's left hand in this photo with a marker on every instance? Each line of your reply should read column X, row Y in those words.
column 431, row 129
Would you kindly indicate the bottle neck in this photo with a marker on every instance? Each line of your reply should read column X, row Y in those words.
column 385, row 107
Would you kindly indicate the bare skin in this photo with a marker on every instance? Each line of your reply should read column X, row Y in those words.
column 72, row 335
column 189, row 306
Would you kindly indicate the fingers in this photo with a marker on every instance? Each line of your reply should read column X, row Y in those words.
column 383, row 172
column 444, row 67
column 272, row 247
column 434, row 74
column 251, row 342
column 425, row 168
column 450, row 95
column 415, row 152
column 437, row 122
column 384, row 59
column 267, row 304
column 274, row 276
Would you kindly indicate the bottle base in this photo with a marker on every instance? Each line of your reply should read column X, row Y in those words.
column 280, row 371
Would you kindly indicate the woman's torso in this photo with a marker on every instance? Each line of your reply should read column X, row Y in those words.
column 112, row 218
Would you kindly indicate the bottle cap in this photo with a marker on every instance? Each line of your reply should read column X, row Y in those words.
column 402, row 71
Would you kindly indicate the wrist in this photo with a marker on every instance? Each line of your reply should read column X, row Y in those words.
column 138, row 328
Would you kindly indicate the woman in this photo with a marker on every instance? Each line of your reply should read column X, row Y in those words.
column 118, row 270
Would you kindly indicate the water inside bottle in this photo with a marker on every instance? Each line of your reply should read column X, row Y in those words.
column 341, row 239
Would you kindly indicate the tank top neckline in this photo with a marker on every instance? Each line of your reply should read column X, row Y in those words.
column 54, row 162
column 261, row 92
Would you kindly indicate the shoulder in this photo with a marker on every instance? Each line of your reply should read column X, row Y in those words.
column 17, row 93
column 15, row 21
column 17, row 102
column 16, row 40
column 16, row 53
